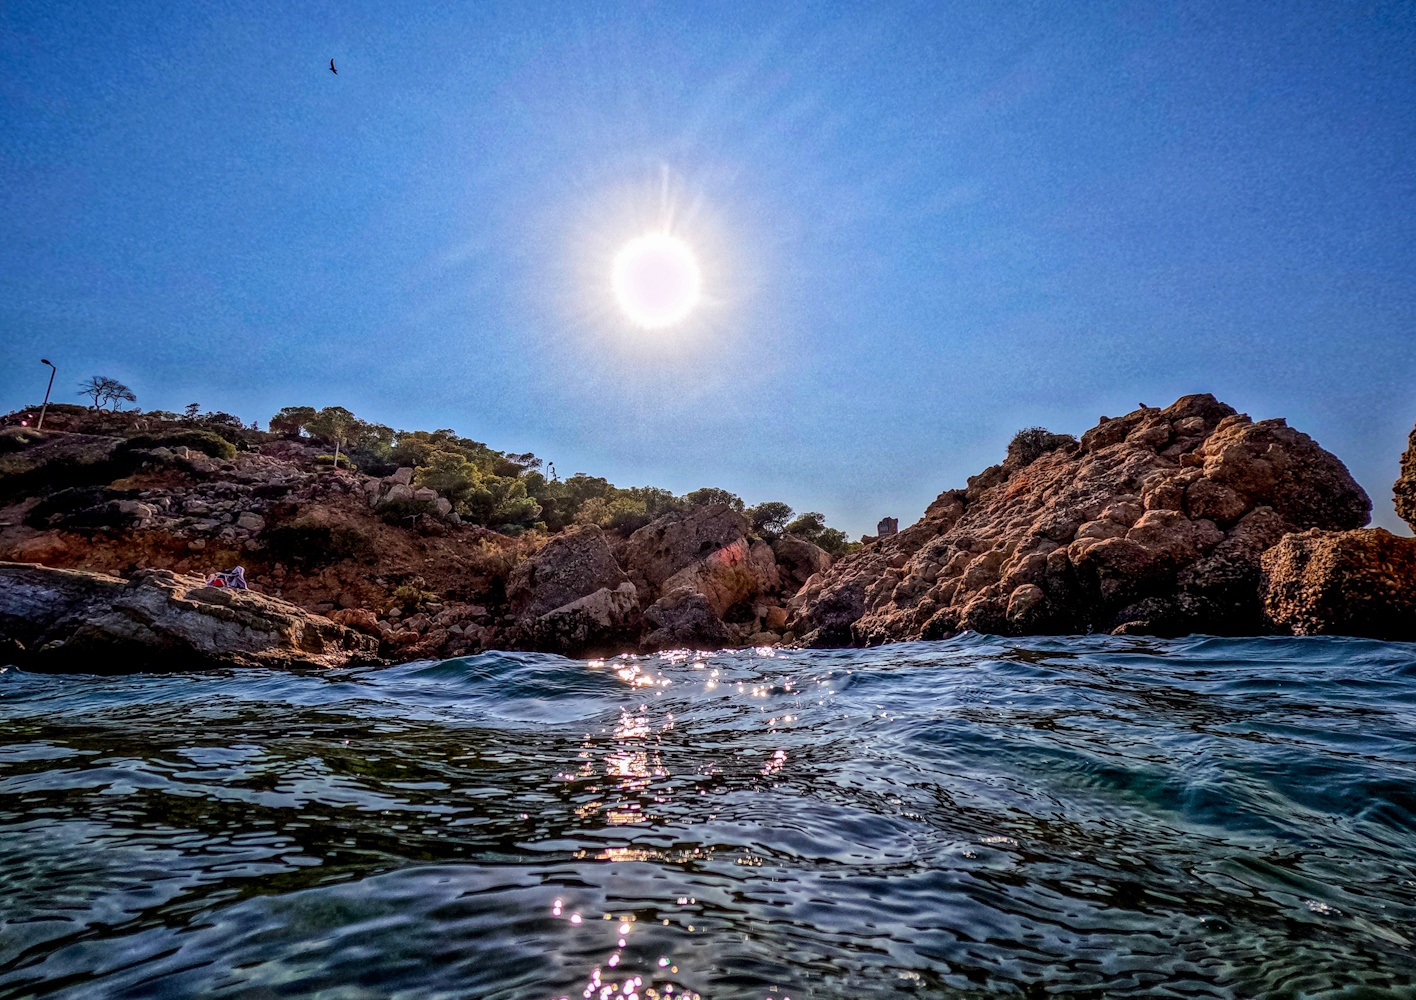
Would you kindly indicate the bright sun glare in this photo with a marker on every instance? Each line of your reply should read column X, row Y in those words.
column 656, row 280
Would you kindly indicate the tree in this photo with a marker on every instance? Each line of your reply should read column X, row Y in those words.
column 97, row 388
column 291, row 420
column 333, row 423
column 769, row 519
column 191, row 411
column 812, row 527
column 711, row 494
column 120, row 393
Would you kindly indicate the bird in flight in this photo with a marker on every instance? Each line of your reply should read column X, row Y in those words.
column 332, row 69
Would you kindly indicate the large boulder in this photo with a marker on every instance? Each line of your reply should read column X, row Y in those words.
column 677, row 540
column 605, row 622
column 572, row 565
column 75, row 621
column 684, row 620
column 1360, row 583
column 798, row 560
column 728, row 576
column 1153, row 522
column 1404, row 491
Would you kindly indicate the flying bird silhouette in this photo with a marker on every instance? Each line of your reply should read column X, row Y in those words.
column 332, row 69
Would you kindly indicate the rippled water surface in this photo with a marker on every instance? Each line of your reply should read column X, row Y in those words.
column 980, row 817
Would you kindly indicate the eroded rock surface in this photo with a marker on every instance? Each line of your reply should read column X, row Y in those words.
column 678, row 540
column 1360, row 583
column 1154, row 522
column 572, row 565
column 1404, row 492
column 76, row 621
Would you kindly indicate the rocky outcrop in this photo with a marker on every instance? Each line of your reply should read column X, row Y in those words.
column 44, row 460
column 570, row 566
column 1154, row 522
column 1360, row 583
column 607, row 621
column 1404, row 491
column 678, row 540
column 684, row 620
column 798, row 560
column 70, row 620
column 728, row 575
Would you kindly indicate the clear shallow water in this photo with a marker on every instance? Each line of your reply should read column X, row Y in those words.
column 981, row 817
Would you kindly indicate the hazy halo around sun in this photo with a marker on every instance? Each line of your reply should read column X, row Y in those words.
column 657, row 280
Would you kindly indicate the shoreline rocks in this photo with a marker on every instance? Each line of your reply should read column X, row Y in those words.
column 1192, row 518
column 57, row 620
column 1153, row 523
column 1357, row 583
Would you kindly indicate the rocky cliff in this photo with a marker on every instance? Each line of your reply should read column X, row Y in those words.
column 1153, row 522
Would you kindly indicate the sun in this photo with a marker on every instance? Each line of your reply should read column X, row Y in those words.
column 656, row 280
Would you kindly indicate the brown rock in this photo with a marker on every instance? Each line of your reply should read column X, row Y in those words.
column 798, row 561
column 1157, row 520
column 1404, row 491
column 75, row 621
column 572, row 565
column 1360, row 583
column 728, row 576
column 675, row 541
column 602, row 623
column 359, row 619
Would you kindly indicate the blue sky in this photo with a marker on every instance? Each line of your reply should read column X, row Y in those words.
column 922, row 227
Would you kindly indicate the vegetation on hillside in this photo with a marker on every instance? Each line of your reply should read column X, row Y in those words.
column 505, row 491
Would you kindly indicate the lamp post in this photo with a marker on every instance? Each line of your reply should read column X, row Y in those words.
column 52, row 372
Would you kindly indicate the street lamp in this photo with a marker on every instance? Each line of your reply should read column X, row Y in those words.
column 52, row 372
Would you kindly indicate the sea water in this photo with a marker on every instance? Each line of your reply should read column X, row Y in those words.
column 1060, row 817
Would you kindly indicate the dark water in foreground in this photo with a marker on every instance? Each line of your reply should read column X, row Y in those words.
column 981, row 817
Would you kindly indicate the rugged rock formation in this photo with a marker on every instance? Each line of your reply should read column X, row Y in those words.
column 675, row 541
column 684, row 620
column 44, row 459
column 1155, row 522
column 728, row 576
column 570, row 566
column 798, row 560
column 607, row 621
column 1404, row 491
column 68, row 620
column 1359, row 583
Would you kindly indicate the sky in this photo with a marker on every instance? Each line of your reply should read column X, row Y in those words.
column 921, row 227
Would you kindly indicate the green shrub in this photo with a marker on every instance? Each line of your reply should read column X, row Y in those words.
column 711, row 495
column 413, row 596
column 342, row 463
column 812, row 527
column 1031, row 443
column 203, row 441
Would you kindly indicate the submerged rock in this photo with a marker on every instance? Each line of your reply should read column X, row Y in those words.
column 76, row 621
column 1154, row 522
column 1360, row 583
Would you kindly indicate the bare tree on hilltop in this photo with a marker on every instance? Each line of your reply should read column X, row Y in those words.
column 106, row 391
